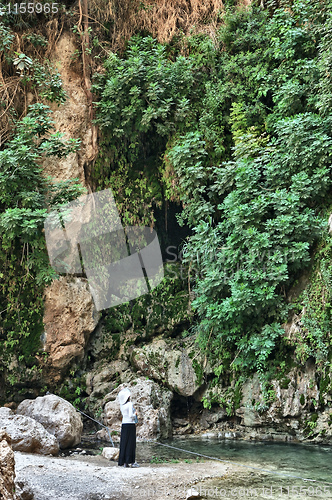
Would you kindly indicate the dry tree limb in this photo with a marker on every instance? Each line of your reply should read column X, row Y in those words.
column 60, row 33
column 11, row 101
column 51, row 29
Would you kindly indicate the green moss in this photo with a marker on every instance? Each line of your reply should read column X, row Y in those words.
column 324, row 386
column 314, row 417
column 285, row 383
column 116, row 337
column 311, row 425
column 199, row 372
column 302, row 399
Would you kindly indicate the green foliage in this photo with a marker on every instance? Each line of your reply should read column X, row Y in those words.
column 6, row 37
column 143, row 99
column 228, row 398
column 35, row 73
column 73, row 389
column 25, row 198
column 157, row 460
column 314, row 304
column 157, row 312
column 254, row 216
column 310, row 426
column 238, row 131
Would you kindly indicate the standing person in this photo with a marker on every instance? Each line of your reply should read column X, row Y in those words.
column 128, row 430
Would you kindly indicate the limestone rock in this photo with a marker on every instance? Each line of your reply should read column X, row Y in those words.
column 7, row 467
column 301, row 391
column 251, row 391
column 71, row 118
column 169, row 364
column 111, row 453
column 99, row 381
column 323, row 429
column 152, row 404
column 70, row 317
column 57, row 416
column 293, row 397
column 211, row 417
column 103, row 435
column 27, row 434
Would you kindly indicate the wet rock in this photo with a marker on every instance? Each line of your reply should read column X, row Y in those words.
column 211, row 417
column 300, row 394
column 57, row 416
column 7, row 467
column 153, row 409
column 111, row 453
column 103, row 435
column 26, row 434
column 181, row 431
column 70, row 317
column 323, row 428
column 295, row 396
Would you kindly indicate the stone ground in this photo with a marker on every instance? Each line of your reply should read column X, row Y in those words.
column 95, row 478
column 86, row 477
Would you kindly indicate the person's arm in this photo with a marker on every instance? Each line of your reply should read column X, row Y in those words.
column 131, row 412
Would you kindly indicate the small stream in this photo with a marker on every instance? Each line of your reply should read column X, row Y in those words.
column 286, row 464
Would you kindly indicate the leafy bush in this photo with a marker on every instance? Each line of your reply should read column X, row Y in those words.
column 25, row 198
column 239, row 131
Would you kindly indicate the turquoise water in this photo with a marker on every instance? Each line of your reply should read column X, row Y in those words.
column 283, row 461
column 264, row 470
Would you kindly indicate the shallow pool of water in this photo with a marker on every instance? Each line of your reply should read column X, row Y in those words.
column 265, row 469
column 268, row 470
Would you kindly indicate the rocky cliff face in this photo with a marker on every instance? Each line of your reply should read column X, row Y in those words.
column 7, row 468
column 148, row 340
column 71, row 118
column 70, row 317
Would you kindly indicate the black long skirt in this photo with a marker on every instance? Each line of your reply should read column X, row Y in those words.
column 127, row 444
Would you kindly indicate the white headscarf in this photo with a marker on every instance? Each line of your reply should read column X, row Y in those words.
column 123, row 395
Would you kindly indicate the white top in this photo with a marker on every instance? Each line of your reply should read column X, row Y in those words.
column 128, row 415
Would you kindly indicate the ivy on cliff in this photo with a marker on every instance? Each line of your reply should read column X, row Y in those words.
column 144, row 99
column 239, row 131
column 25, row 198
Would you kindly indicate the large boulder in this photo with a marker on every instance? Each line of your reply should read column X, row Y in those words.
column 103, row 378
column 57, row 416
column 171, row 364
column 323, row 429
column 153, row 409
column 27, row 434
column 7, row 467
column 293, row 399
column 70, row 317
